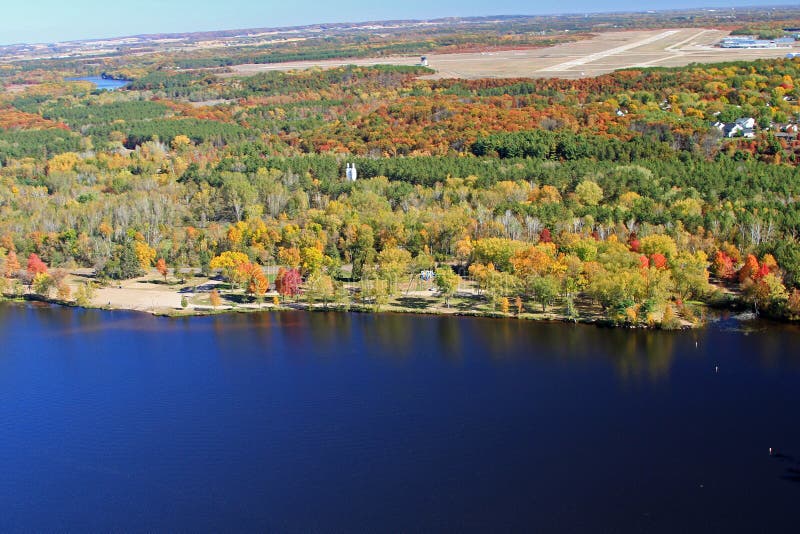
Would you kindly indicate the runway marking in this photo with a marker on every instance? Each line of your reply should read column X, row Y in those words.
column 674, row 48
column 610, row 52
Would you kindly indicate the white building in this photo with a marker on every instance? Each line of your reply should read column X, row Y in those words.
column 747, row 42
column 744, row 127
column 350, row 173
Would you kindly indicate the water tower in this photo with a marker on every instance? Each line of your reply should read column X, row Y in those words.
column 350, row 173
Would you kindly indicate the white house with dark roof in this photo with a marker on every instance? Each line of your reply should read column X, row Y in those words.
column 744, row 127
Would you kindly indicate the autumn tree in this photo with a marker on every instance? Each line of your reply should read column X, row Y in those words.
column 493, row 283
column 616, row 290
column 793, row 304
column 361, row 248
column 63, row 290
column 447, row 282
column 538, row 260
column 43, row 284
column 464, row 249
column 237, row 193
column 64, row 162
column 311, row 259
column 288, row 283
column 376, row 291
column 669, row 321
column 145, row 254
column 180, row 141
column 589, row 193
column 36, row 265
column 231, row 263
column 393, row 263
column 12, row 265
column 319, row 287
column 766, row 293
column 544, row 290
column 124, row 262
column 750, row 269
column 85, row 294
column 290, row 257
column 690, row 274
column 279, row 278
column 722, row 266
column 497, row 251
column 257, row 283
column 161, row 266
column 658, row 244
column 215, row 299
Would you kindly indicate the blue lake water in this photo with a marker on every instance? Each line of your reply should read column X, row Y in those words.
column 325, row 422
column 102, row 84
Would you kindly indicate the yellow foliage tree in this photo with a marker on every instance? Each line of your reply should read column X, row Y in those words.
column 546, row 194
column 312, row 259
column 229, row 262
column 64, row 292
column 464, row 249
column 63, row 162
column 180, row 141
column 290, row 257
column 659, row 244
column 105, row 229
column 145, row 254
column 214, row 298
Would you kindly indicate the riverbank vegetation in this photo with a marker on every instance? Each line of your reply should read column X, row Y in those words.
column 614, row 196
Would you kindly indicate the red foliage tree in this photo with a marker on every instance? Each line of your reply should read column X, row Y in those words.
column 763, row 271
column 36, row 265
column 633, row 242
column 545, row 236
column 290, row 283
column 722, row 266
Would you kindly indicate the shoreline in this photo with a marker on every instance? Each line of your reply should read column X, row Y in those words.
column 204, row 311
column 153, row 295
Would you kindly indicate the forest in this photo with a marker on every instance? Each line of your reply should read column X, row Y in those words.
column 616, row 195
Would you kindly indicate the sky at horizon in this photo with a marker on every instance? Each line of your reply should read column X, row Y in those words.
column 46, row 21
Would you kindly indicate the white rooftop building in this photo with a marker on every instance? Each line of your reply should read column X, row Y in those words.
column 744, row 127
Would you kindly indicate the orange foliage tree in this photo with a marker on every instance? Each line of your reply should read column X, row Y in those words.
column 12, row 265
column 161, row 266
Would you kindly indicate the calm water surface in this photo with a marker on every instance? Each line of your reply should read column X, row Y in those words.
column 296, row 422
column 102, row 84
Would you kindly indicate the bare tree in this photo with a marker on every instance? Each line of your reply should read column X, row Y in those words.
column 533, row 226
